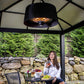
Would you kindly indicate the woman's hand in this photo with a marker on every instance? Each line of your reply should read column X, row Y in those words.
column 47, row 66
column 54, row 80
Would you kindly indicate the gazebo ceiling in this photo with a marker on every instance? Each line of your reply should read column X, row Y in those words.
column 70, row 14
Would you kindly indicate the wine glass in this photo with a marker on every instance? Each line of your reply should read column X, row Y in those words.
column 48, row 62
column 32, row 72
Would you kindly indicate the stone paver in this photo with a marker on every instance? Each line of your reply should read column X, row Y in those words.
column 75, row 82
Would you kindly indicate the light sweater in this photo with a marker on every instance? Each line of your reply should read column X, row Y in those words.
column 52, row 71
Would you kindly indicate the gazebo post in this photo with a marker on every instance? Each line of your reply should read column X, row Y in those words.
column 0, row 17
column 62, row 54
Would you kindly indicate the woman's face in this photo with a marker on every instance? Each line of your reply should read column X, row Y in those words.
column 52, row 56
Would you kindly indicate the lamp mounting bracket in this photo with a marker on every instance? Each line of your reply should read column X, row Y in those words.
column 33, row 1
column 40, row 0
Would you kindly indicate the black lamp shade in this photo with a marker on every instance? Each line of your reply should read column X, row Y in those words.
column 40, row 15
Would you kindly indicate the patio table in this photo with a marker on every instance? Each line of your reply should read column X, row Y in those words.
column 33, row 79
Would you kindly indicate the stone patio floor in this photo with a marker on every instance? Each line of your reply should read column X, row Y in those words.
column 75, row 82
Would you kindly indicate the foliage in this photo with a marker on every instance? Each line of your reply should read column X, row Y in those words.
column 40, row 56
column 77, row 43
column 47, row 43
column 16, row 44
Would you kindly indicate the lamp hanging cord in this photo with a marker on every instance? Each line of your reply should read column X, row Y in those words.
column 33, row 1
column 42, row 1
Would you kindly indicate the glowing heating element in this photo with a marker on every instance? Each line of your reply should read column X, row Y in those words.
column 41, row 19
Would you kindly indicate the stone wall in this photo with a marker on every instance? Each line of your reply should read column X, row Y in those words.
column 73, row 67
column 21, row 64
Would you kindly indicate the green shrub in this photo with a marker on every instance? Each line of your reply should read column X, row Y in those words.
column 77, row 43
column 47, row 43
column 40, row 56
column 16, row 44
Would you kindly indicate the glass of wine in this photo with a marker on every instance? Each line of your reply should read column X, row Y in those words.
column 32, row 72
column 48, row 62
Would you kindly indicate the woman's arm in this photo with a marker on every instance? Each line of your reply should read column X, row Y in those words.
column 46, row 70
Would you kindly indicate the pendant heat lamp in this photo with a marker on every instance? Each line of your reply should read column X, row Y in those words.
column 40, row 15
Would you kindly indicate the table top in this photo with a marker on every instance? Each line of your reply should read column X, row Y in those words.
column 33, row 79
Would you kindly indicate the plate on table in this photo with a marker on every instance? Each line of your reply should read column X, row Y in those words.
column 46, row 77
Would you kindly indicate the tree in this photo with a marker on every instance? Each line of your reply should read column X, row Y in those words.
column 16, row 44
column 77, row 43
column 47, row 43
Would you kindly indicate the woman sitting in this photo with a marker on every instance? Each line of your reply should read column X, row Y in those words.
column 53, row 69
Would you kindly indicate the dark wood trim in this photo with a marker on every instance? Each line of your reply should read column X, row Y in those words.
column 63, row 7
column 14, row 12
column 42, row 31
column 60, row 26
column 29, row 31
column 12, row 5
column 75, row 4
column 74, row 27
column 64, row 21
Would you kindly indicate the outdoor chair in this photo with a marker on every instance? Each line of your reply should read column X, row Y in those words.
column 13, row 78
